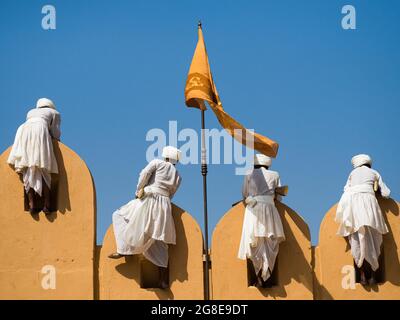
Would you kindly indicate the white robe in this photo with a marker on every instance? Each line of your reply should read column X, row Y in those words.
column 360, row 216
column 32, row 152
column 146, row 226
column 262, row 226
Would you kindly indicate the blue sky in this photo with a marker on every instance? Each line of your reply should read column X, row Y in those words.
column 116, row 69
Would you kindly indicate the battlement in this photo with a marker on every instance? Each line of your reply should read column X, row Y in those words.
column 56, row 257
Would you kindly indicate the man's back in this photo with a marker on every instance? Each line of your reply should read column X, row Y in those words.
column 160, row 174
column 363, row 175
column 261, row 182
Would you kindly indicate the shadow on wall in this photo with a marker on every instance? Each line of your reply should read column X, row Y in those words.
column 390, row 209
column 135, row 267
column 179, row 256
column 318, row 289
column 63, row 198
column 290, row 247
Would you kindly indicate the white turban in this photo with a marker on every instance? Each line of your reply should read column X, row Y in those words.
column 262, row 160
column 44, row 102
column 361, row 159
column 171, row 153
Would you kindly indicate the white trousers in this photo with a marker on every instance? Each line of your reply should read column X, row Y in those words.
column 366, row 245
column 262, row 232
column 32, row 178
column 263, row 256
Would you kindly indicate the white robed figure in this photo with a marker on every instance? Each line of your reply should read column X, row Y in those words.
column 145, row 225
column 360, row 216
column 32, row 153
column 262, row 226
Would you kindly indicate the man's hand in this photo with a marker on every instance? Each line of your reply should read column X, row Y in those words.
column 250, row 201
column 376, row 186
column 140, row 194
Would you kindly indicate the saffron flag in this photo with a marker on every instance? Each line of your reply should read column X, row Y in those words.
column 200, row 88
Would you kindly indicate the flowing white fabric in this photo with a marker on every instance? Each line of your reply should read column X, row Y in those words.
column 262, row 229
column 261, row 234
column 366, row 245
column 146, row 226
column 32, row 152
column 33, row 147
column 33, row 177
column 360, row 216
column 358, row 207
column 135, row 234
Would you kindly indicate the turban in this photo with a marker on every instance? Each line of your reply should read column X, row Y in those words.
column 361, row 159
column 262, row 160
column 171, row 153
column 44, row 102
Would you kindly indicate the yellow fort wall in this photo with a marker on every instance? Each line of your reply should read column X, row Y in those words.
column 229, row 274
column 64, row 240
column 333, row 260
column 121, row 279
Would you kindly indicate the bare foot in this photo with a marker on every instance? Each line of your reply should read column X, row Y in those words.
column 33, row 211
column 164, row 285
column 363, row 280
column 372, row 281
column 259, row 283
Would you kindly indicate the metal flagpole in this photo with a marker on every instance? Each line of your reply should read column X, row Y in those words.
column 204, row 174
column 206, row 257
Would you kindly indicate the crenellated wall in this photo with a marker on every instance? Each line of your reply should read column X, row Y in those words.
column 123, row 278
column 32, row 248
column 294, row 274
column 334, row 262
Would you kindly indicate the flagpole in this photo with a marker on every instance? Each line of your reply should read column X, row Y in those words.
column 205, row 210
column 204, row 174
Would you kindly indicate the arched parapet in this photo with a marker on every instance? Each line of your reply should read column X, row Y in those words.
column 334, row 267
column 230, row 274
column 48, row 257
column 132, row 277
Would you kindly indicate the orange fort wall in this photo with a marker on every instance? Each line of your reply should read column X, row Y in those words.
column 334, row 263
column 48, row 257
column 55, row 257
column 135, row 278
column 294, row 273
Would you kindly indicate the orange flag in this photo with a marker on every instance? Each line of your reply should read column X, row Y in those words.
column 200, row 87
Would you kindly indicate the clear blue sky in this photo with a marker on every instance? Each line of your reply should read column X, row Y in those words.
column 116, row 69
